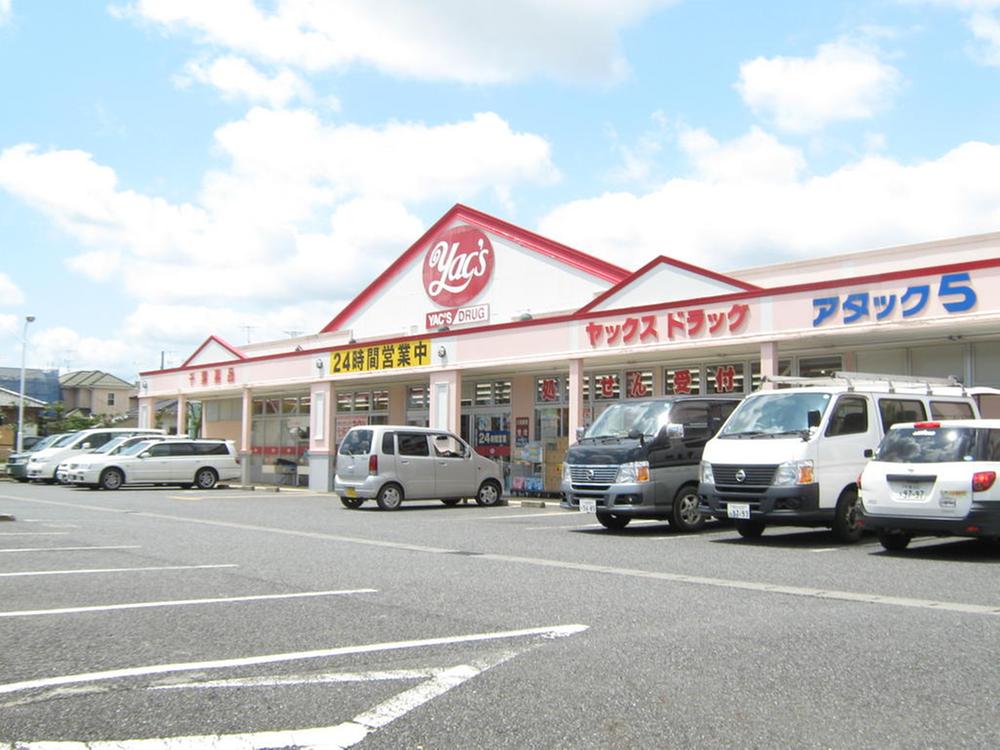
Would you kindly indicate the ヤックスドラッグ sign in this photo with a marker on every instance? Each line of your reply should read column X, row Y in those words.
column 458, row 266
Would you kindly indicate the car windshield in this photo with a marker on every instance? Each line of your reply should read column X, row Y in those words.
column 620, row 419
column 924, row 445
column 111, row 446
column 64, row 441
column 137, row 448
column 775, row 413
column 44, row 443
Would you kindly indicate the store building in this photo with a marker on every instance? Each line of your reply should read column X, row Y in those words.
column 507, row 338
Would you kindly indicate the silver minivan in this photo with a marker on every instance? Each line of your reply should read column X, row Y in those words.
column 393, row 463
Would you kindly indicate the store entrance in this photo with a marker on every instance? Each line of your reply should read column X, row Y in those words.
column 488, row 432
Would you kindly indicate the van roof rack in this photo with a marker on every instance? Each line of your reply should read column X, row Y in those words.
column 854, row 379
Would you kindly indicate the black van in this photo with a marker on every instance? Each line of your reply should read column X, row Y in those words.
column 639, row 459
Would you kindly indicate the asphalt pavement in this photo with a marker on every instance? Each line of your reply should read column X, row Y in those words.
column 166, row 618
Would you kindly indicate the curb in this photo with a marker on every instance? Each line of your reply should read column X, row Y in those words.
column 532, row 503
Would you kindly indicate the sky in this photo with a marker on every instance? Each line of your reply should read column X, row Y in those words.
column 174, row 169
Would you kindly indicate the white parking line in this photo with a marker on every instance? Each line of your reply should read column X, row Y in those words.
column 34, row 533
column 555, row 631
column 70, row 549
column 112, row 570
column 182, row 603
column 513, row 515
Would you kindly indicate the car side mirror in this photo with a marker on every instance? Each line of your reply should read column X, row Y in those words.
column 869, row 453
column 634, row 434
column 145, row 454
column 675, row 431
column 580, row 432
column 85, row 446
column 813, row 417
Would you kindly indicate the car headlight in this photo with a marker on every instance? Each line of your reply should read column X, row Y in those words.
column 637, row 471
column 567, row 477
column 795, row 472
column 707, row 475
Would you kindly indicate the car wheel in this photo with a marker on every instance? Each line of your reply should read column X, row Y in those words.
column 451, row 501
column 205, row 478
column 750, row 529
column 685, row 516
column 489, row 493
column 112, row 479
column 894, row 541
column 352, row 502
column 847, row 518
column 390, row 497
column 613, row 521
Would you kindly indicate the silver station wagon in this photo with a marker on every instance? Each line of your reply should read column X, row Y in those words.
column 395, row 463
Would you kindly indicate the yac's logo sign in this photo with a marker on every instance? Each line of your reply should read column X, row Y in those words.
column 458, row 266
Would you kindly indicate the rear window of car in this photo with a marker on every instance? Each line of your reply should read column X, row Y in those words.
column 356, row 443
column 923, row 445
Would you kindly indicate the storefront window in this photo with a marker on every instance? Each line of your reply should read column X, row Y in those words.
column 819, row 367
column 784, row 368
column 362, row 401
column 289, row 406
column 682, row 381
column 638, row 384
column 279, row 440
column 607, row 387
column 380, row 400
column 726, row 378
column 345, row 401
column 547, row 390
column 501, row 392
column 416, row 397
column 484, row 394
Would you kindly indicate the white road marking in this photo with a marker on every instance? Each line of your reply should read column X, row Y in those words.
column 34, row 533
column 512, row 515
column 736, row 584
column 70, row 549
column 555, row 631
column 112, row 570
column 182, row 603
column 826, row 549
column 311, row 679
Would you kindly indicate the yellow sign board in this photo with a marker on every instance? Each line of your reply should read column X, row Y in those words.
column 381, row 357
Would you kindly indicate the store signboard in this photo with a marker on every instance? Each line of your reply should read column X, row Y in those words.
column 381, row 357
column 675, row 325
column 951, row 293
column 458, row 266
column 458, row 316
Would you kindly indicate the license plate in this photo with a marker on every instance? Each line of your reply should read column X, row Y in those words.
column 588, row 506
column 910, row 492
column 351, row 492
column 738, row 510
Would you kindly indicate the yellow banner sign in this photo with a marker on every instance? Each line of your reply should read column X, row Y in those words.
column 381, row 357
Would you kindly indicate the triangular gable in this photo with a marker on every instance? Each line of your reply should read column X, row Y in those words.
column 213, row 350
column 665, row 280
column 533, row 276
column 13, row 398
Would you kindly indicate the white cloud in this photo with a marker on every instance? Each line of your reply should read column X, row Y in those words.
column 5, row 11
column 236, row 78
column 724, row 219
column 9, row 292
column 63, row 348
column 304, row 210
column 469, row 41
column 8, row 325
column 843, row 81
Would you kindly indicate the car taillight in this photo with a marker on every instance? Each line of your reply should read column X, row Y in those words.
column 859, row 481
column 926, row 425
column 373, row 464
column 983, row 480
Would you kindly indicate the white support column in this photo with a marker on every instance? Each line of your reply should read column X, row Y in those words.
column 445, row 393
column 245, row 436
column 768, row 362
column 182, row 414
column 147, row 412
column 322, row 436
column 575, row 397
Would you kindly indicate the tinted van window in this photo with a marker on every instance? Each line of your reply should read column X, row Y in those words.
column 356, row 443
column 388, row 446
column 895, row 410
column 951, row 410
column 850, row 417
column 694, row 416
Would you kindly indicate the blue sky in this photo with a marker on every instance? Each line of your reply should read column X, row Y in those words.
column 171, row 169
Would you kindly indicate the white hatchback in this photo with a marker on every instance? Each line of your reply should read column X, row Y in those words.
column 936, row 478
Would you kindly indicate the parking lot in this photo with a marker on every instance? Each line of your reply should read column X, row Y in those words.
column 181, row 618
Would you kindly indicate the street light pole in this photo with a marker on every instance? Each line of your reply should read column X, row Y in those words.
column 20, row 408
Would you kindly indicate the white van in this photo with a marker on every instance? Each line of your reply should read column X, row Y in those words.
column 791, row 456
column 43, row 464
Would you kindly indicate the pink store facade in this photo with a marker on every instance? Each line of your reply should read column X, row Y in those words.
column 506, row 337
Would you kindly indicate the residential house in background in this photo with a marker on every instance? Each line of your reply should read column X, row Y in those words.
column 96, row 393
